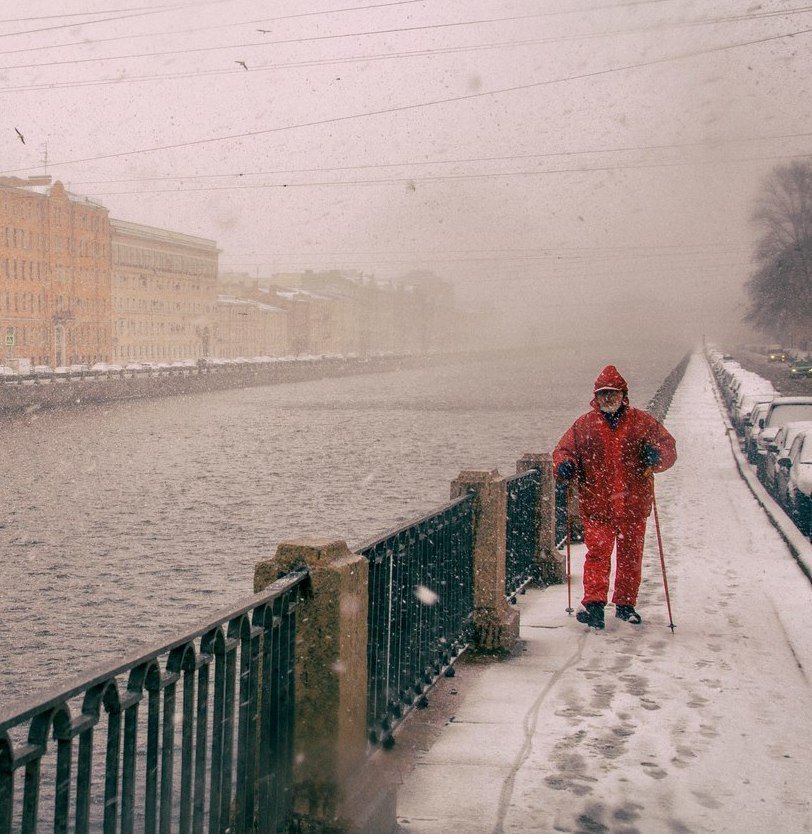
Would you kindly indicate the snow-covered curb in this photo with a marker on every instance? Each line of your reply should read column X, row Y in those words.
column 799, row 545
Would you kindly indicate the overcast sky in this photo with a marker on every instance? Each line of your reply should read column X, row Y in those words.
column 583, row 164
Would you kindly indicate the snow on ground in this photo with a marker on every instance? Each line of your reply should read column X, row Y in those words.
column 634, row 730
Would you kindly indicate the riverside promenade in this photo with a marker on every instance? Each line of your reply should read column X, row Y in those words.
column 636, row 730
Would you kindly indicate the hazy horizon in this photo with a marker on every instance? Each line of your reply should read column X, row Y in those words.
column 576, row 168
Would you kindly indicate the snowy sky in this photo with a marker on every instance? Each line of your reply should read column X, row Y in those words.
column 559, row 159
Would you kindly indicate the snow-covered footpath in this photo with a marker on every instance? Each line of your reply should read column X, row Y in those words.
column 636, row 729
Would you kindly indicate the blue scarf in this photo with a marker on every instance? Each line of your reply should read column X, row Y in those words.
column 613, row 419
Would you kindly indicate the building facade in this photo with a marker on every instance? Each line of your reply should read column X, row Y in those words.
column 164, row 292
column 55, row 275
column 245, row 328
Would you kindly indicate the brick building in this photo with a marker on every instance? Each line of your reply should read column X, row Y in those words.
column 164, row 292
column 55, row 275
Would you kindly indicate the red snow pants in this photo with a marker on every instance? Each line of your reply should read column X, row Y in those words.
column 600, row 538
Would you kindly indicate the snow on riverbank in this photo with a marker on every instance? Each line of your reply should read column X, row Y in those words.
column 635, row 729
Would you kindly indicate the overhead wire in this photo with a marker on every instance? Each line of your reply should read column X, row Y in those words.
column 415, row 180
column 395, row 30
column 432, row 103
column 457, row 161
column 266, row 43
column 389, row 56
column 508, row 271
column 62, row 15
column 74, row 24
column 226, row 25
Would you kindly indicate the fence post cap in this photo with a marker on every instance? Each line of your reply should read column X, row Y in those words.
column 477, row 476
column 533, row 460
column 312, row 550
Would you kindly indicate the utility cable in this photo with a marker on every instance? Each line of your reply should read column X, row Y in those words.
column 434, row 103
column 401, row 30
column 458, row 161
column 412, row 182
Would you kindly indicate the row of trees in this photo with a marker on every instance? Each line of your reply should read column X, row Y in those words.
column 780, row 287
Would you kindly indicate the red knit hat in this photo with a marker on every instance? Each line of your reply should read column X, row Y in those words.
column 610, row 379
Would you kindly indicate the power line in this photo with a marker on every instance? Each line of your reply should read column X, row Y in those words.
column 413, row 181
column 74, row 24
column 368, row 58
column 561, row 255
column 458, row 161
column 309, row 14
column 267, row 43
column 560, row 273
column 444, row 101
column 63, row 15
column 397, row 30
column 691, row 248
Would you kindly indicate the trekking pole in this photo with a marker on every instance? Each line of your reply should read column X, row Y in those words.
column 570, row 609
column 662, row 557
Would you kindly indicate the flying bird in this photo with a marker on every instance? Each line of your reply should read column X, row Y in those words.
column 22, row 138
column 264, row 31
column 242, row 64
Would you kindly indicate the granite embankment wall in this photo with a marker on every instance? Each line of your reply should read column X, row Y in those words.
column 19, row 397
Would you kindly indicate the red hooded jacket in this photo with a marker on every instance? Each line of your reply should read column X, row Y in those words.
column 609, row 470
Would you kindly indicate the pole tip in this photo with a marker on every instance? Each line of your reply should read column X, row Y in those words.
column 672, row 627
column 569, row 610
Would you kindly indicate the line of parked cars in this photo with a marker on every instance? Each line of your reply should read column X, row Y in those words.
column 775, row 433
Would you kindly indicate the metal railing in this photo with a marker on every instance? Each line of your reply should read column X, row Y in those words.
column 520, row 559
column 236, row 730
column 420, row 610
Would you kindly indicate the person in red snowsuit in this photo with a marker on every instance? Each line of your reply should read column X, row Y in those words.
column 612, row 453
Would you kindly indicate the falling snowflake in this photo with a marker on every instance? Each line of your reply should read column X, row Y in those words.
column 426, row 595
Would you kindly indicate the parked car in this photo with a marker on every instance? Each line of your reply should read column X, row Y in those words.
column 752, row 429
column 740, row 379
column 798, row 466
column 775, row 475
column 744, row 409
column 782, row 410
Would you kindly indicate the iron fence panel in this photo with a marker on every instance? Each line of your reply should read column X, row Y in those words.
column 520, row 557
column 420, row 610
column 182, row 775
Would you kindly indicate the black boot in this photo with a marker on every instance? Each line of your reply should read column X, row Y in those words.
column 593, row 616
column 627, row 612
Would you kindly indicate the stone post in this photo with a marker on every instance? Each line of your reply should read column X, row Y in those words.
column 496, row 623
column 552, row 567
column 331, row 681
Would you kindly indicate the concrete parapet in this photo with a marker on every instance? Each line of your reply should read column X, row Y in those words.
column 496, row 623
column 331, row 685
column 550, row 562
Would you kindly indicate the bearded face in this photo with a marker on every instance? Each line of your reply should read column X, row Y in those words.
column 609, row 401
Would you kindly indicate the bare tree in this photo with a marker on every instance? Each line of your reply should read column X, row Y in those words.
column 780, row 287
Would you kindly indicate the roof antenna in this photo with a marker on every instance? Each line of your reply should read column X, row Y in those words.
column 45, row 159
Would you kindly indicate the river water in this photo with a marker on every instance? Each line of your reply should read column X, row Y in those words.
column 125, row 523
